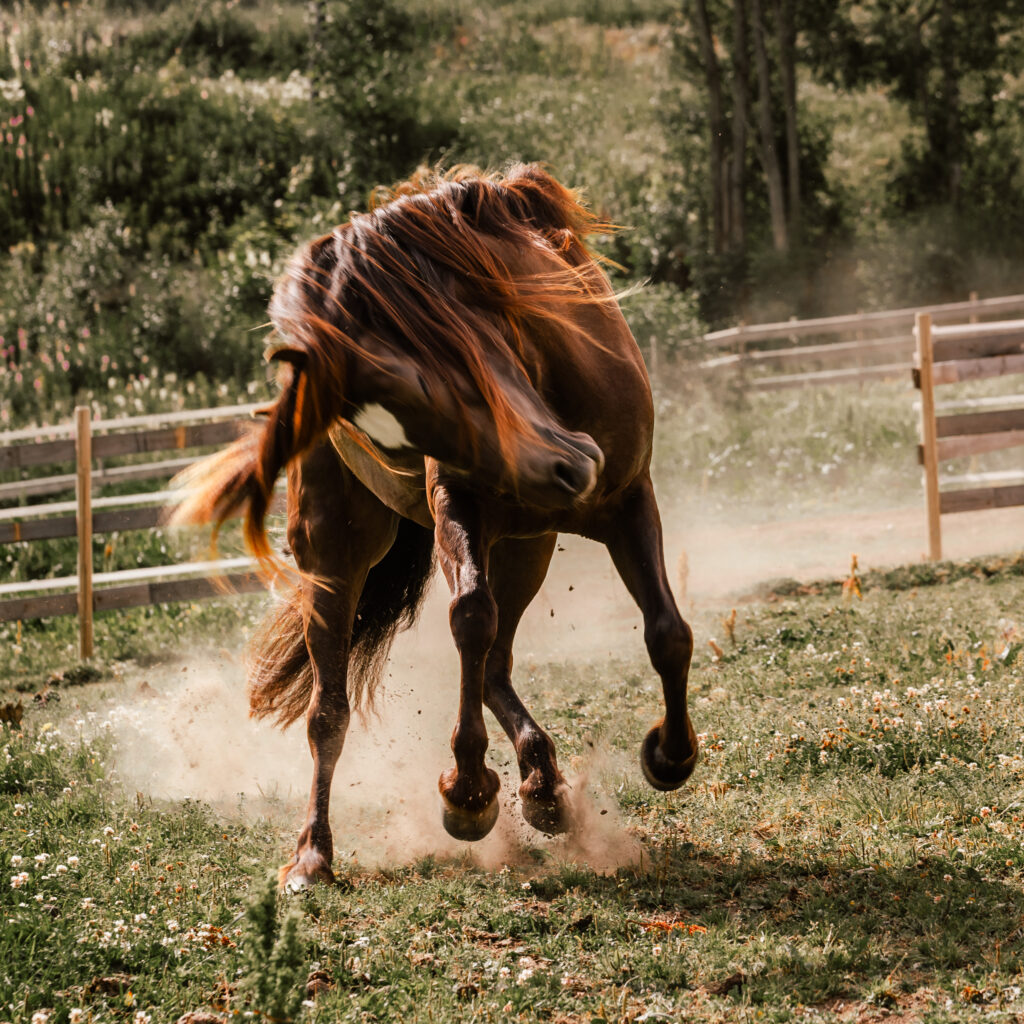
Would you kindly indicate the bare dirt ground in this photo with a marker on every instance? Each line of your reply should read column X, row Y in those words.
column 724, row 560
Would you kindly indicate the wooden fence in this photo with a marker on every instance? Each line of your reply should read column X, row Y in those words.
column 947, row 355
column 83, row 444
column 842, row 349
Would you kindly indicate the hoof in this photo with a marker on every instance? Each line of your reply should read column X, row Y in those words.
column 304, row 873
column 552, row 816
column 658, row 770
column 468, row 823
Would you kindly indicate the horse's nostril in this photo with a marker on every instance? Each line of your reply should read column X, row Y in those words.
column 567, row 476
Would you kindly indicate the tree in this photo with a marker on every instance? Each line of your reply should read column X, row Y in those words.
column 946, row 60
column 720, row 193
column 768, row 151
column 726, row 34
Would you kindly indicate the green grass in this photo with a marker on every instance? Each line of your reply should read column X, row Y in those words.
column 852, row 842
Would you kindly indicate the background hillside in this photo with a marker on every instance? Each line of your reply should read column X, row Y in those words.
column 159, row 161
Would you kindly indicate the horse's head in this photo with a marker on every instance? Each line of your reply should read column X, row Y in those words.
column 516, row 446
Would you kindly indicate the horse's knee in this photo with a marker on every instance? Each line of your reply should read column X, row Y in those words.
column 474, row 620
column 669, row 642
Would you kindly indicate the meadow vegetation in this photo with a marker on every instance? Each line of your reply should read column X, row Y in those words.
column 851, row 847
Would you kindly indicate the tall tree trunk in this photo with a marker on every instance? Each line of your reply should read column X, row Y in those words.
column 316, row 16
column 713, row 77
column 952, row 130
column 740, row 116
column 787, row 69
column 768, row 150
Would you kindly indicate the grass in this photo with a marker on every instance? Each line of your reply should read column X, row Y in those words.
column 853, row 843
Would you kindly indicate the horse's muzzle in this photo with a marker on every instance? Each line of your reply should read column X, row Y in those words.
column 576, row 467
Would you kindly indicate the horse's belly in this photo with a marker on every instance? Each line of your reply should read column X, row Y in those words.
column 403, row 489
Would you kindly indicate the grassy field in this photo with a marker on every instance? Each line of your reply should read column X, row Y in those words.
column 851, row 847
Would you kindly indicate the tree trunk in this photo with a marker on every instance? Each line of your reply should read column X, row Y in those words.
column 713, row 78
column 316, row 16
column 769, row 152
column 951, row 129
column 740, row 116
column 787, row 71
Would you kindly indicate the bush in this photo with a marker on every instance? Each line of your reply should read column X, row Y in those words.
column 98, row 311
column 178, row 161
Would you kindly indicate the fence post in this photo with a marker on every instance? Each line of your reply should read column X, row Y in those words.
column 929, row 440
column 83, row 488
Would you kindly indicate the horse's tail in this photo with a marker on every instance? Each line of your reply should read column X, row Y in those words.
column 281, row 674
column 241, row 478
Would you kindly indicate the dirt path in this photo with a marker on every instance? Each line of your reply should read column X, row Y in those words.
column 724, row 560
column 582, row 613
column 583, row 607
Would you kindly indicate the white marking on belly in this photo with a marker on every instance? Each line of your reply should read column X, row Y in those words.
column 381, row 427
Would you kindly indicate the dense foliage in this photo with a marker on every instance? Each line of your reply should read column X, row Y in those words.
column 158, row 161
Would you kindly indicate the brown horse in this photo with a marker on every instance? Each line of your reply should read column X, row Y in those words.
column 457, row 376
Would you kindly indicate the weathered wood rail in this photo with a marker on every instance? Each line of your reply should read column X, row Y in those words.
column 82, row 443
column 854, row 356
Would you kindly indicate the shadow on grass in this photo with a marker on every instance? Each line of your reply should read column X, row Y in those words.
column 803, row 931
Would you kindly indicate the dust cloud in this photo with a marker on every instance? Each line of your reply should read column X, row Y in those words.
column 186, row 734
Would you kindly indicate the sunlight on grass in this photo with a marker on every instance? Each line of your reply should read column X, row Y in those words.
column 854, row 838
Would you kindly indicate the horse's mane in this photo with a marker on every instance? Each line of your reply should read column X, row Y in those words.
column 421, row 272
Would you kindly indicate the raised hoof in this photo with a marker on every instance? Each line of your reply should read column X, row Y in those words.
column 469, row 823
column 553, row 817
column 662, row 773
column 306, row 872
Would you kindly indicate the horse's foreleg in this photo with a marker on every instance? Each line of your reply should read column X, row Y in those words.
column 634, row 540
column 336, row 530
column 517, row 570
column 469, row 791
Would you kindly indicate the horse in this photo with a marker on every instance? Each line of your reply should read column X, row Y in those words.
column 457, row 384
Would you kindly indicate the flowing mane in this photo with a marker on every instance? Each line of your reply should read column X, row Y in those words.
column 421, row 271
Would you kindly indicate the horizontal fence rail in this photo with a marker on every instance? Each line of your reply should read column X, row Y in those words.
column 885, row 319
column 131, row 595
column 855, row 354
column 82, row 443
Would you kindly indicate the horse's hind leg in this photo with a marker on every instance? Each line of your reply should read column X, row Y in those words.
column 517, row 570
column 670, row 750
column 336, row 530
